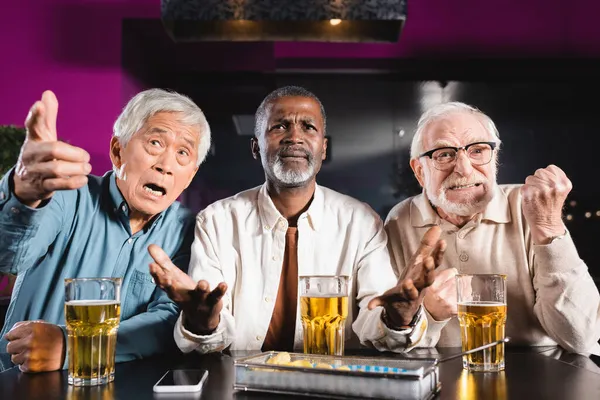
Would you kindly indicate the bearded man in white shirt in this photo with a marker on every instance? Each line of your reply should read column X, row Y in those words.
column 250, row 249
column 503, row 229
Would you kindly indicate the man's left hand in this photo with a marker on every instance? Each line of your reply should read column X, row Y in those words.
column 36, row 346
column 544, row 194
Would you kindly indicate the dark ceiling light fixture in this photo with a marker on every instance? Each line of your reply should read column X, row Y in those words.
column 284, row 20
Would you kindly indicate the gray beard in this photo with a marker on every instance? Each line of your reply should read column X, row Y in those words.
column 291, row 177
column 287, row 176
column 465, row 209
column 461, row 209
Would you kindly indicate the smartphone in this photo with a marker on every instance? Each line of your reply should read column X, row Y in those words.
column 181, row 380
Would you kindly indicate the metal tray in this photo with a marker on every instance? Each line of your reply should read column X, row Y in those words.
column 349, row 377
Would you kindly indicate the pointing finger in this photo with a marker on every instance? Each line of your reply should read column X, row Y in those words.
column 160, row 257
column 54, row 150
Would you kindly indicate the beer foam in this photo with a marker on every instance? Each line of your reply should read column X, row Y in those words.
column 91, row 302
column 481, row 303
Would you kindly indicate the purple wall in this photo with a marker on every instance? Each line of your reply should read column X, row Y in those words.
column 74, row 48
column 55, row 45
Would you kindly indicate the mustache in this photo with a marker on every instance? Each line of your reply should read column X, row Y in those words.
column 294, row 150
column 453, row 181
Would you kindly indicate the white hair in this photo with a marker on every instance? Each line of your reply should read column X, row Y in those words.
column 153, row 101
column 444, row 109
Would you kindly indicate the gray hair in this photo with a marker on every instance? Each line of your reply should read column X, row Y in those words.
column 444, row 109
column 153, row 101
column 260, row 118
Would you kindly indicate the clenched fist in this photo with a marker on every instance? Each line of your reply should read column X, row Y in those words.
column 46, row 164
column 544, row 194
column 36, row 346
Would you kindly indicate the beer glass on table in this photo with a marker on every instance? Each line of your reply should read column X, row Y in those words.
column 482, row 319
column 92, row 314
column 324, row 309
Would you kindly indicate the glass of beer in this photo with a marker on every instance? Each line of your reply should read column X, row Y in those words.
column 92, row 314
column 482, row 318
column 324, row 308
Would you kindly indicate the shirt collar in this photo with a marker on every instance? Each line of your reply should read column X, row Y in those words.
column 422, row 213
column 270, row 216
column 120, row 206
column 118, row 201
column 498, row 210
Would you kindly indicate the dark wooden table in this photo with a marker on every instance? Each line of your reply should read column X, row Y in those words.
column 535, row 373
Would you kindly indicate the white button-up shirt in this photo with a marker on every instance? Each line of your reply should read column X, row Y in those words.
column 241, row 241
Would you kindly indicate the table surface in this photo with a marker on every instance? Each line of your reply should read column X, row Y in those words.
column 531, row 373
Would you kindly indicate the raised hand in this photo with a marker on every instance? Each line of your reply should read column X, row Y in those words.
column 46, row 164
column 36, row 346
column 201, row 307
column 402, row 301
column 544, row 194
column 440, row 297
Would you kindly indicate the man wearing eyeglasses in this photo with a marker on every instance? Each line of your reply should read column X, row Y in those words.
column 489, row 228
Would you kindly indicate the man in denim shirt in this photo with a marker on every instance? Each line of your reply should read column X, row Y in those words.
column 57, row 222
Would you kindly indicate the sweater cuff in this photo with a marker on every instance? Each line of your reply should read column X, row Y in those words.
column 557, row 256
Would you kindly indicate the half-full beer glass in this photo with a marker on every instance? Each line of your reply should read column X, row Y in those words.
column 324, row 308
column 482, row 318
column 92, row 313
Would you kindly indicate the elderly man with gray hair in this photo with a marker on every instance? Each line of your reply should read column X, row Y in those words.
column 59, row 222
column 515, row 230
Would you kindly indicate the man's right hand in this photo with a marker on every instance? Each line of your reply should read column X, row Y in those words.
column 45, row 164
column 201, row 307
column 440, row 298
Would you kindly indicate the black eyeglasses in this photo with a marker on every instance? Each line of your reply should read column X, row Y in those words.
column 479, row 153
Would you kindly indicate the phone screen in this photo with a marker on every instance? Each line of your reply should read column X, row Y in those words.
column 182, row 377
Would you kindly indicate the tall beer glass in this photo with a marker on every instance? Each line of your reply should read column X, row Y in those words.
column 482, row 318
column 92, row 313
column 324, row 308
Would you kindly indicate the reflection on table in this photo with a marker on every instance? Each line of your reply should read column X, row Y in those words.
column 531, row 373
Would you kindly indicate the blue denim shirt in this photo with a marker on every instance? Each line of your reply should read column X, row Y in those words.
column 86, row 233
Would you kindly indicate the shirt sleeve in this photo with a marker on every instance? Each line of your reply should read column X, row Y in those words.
column 22, row 241
column 567, row 300
column 204, row 265
column 374, row 276
column 431, row 329
column 156, row 324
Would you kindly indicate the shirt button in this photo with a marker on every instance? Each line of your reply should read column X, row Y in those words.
column 124, row 208
column 259, row 338
column 462, row 235
column 464, row 257
column 129, row 240
column 14, row 210
column 267, row 299
column 281, row 224
column 274, row 258
column 267, row 227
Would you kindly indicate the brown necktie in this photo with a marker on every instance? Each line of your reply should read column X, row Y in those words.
column 282, row 328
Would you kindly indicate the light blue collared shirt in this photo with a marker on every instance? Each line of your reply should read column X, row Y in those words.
column 86, row 233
